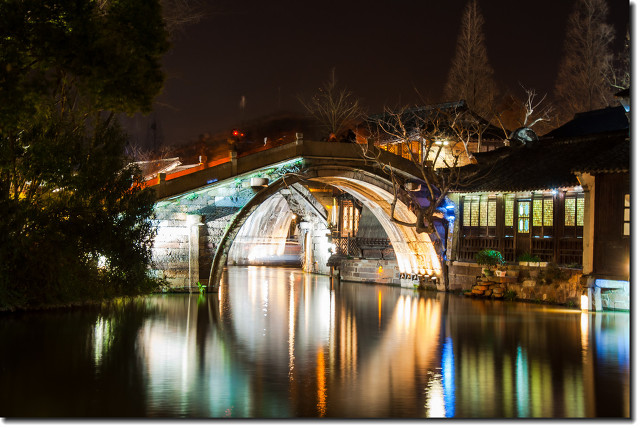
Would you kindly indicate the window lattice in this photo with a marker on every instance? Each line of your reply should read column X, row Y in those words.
column 580, row 212
column 492, row 213
column 508, row 210
column 483, row 213
column 537, row 212
column 548, row 212
column 570, row 212
column 523, row 216
column 466, row 214
column 474, row 213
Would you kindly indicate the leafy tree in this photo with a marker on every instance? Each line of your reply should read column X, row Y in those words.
column 75, row 222
column 581, row 84
column 471, row 75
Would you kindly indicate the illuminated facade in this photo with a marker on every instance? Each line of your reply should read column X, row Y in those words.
column 564, row 198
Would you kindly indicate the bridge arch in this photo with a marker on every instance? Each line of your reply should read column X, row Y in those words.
column 415, row 252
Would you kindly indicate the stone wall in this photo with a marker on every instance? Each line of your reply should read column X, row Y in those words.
column 184, row 246
column 565, row 292
column 616, row 298
column 372, row 271
column 462, row 275
column 315, row 246
column 170, row 251
column 538, row 284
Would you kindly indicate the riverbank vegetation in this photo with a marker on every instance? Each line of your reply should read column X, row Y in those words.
column 74, row 220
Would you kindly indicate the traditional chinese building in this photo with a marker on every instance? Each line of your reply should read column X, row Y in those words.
column 563, row 198
column 450, row 124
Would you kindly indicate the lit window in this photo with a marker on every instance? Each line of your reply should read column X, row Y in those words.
column 626, row 230
column 475, row 211
column 574, row 210
column 548, row 212
column 537, row 212
column 580, row 211
column 479, row 212
column 523, row 216
column 570, row 212
column 492, row 213
column 356, row 220
column 483, row 213
column 508, row 210
column 466, row 213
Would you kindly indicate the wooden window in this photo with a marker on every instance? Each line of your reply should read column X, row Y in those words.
column 548, row 212
column 626, row 228
column 479, row 215
column 570, row 212
column 415, row 149
column 492, row 212
column 405, row 150
column 475, row 211
column 537, row 212
column 483, row 213
column 347, row 218
column 356, row 220
column 542, row 216
column 508, row 210
column 580, row 211
column 573, row 214
column 466, row 213
column 524, row 208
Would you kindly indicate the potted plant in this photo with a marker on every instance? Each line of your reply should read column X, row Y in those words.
column 489, row 259
column 527, row 259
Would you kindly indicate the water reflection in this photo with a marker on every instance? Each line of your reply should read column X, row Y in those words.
column 279, row 343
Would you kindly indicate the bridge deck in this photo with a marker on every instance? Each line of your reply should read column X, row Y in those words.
column 312, row 152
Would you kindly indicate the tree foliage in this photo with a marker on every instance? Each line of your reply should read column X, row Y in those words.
column 471, row 75
column 75, row 222
column 582, row 77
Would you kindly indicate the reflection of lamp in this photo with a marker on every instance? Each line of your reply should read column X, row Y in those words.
column 584, row 302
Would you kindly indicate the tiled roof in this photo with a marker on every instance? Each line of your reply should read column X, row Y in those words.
column 592, row 122
column 547, row 164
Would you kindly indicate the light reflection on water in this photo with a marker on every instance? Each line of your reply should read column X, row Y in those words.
column 279, row 343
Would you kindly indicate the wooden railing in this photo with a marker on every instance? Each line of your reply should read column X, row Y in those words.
column 563, row 251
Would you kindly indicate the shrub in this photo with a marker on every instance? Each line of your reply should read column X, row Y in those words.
column 510, row 295
column 489, row 258
column 526, row 257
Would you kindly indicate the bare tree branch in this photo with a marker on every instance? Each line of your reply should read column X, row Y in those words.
column 581, row 83
column 334, row 109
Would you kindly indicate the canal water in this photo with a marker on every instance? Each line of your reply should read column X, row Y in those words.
column 278, row 343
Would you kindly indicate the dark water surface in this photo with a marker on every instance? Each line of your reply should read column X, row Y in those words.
column 280, row 343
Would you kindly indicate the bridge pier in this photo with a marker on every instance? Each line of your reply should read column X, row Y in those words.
column 194, row 223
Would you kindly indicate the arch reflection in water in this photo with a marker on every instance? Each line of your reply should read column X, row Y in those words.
column 281, row 343
column 376, row 351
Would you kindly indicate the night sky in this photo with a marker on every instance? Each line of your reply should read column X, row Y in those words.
column 383, row 51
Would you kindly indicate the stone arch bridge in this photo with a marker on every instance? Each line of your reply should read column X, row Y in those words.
column 205, row 214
